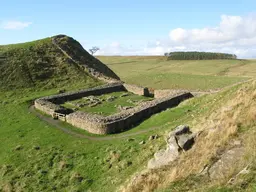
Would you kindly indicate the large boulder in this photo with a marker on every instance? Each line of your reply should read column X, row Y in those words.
column 226, row 162
column 181, row 139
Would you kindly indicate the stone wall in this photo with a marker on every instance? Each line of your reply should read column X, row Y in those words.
column 159, row 93
column 114, row 123
column 138, row 90
column 124, row 120
column 50, row 104
column 90, row 122
column 69, row 96
column 46, row 106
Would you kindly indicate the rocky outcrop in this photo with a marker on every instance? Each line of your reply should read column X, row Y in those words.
column 226, row 162
column 181, row 139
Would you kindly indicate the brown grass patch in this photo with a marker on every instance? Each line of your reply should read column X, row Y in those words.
column 227, row 122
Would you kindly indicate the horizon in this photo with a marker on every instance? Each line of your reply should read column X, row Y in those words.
column 136, row 28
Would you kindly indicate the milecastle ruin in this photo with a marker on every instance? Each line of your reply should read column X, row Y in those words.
column 115, row 123
column 95, row 123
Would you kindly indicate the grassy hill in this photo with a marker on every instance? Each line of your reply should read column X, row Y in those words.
column 37, row 156
column 42, row 64
column 158, row 73
column 223, row 158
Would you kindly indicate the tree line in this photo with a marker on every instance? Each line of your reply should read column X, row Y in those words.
column 198, row 56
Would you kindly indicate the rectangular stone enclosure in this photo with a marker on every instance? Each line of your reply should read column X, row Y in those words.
column 114, row 123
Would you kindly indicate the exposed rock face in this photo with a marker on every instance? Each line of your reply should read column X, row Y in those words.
column 226, row 162
column 181, row 139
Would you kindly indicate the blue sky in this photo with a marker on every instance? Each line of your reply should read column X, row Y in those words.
column 133, row 27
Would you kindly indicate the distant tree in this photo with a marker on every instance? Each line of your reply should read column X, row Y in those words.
column 194, row 55
column 166, row 54
column 94, row 50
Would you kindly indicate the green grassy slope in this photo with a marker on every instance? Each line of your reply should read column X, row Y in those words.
column 228, row 117
column 36, row 156
column 74, row 49
column 156, row 72
column 41, row 64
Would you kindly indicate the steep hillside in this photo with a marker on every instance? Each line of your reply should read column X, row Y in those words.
column 49, row 62
column 223, row 156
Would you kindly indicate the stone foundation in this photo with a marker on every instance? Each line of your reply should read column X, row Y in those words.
column 124, row 120
column 118, row 122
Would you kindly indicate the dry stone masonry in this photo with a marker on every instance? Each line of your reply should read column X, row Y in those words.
column 97, row 124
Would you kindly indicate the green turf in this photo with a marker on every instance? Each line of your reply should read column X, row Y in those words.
column 41, row 64
column 36, row 156
column 106, row 107
column 158, row 73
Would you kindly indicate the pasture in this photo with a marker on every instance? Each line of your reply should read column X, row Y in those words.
column 36, row 156
column 155, row 72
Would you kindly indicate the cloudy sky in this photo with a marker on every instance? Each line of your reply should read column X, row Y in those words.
column 136, row 27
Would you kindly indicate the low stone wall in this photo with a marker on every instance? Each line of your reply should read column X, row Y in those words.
column 138, row 90
column 159, row 93
column 124, row 120
column 50, row 104
column 111, row 124
column 46, row 106
column 69, row 96
column 90, row 122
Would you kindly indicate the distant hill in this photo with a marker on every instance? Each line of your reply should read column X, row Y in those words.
column 49, row 62
column 198, row 56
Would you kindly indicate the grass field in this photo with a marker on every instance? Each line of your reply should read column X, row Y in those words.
column 106, row 104
column 158, row 73
column 35, row 156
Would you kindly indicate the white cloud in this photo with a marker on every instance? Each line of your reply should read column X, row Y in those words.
column 231, row 28
column 178, row 35
column 14, row 25
column 233, row 34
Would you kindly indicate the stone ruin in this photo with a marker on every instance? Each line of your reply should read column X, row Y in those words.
column 98, row 124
